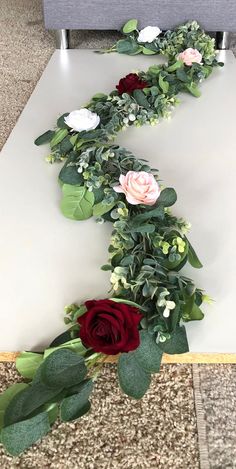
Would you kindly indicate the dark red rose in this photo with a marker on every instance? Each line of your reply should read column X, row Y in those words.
column 110, row 327
column 130, row 83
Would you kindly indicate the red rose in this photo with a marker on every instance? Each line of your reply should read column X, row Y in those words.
column 110, row 327
column 130, row 83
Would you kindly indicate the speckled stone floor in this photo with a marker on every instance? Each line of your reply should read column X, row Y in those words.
column 161, row 430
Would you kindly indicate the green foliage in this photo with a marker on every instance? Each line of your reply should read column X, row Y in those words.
column 192, row 257
column 167, row 197
column 100, row 97
column 66, row 145
column 44, row 138
column 196, row 313
column 18, row 437
column 193, row 89
column 7, row 396
column 175, row 66
column 130, row 26
column 177, row 343
column 27, row 363
column 134, row 380
column 148, row 245
column 148, row 354
column 164, row 85
column 58, row 137
column 29, row 400
column 101, row 208
column 75, row 406
column 77, row 202
column 32, row 408
column 73, row 344
column 61, row 121
column 147, row 51
column 69, row 173
column 128, row 46
column 171, row 43
column 63, row 368
column 61, row 339
column 141, row 99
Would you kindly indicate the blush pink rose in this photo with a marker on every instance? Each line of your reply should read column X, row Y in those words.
column 139, row 187
column 189, row 56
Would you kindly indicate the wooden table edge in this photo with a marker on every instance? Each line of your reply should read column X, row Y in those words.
column 190, row 357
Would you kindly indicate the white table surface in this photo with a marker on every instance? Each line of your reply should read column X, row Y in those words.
column 48, row 261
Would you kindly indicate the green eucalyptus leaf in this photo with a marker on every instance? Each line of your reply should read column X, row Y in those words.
column 91, row 134
column 128, row 302
column 69, row 175
column 141, row 99
column 195, row 314
column 147, row 51
column 167, row 197
column 100, row 208
column 127, row 260
column 148, row 228
column 61, row 339
column 7, row 396
column 175, row 66
column 106, row 267
column 175, row 317
column 130, row 26
column 192, row 257
column 77, row 202
column 100, row 97
column 29, row 400
column 18, row 437
column 45, row 138
column 133, row 379
column 52, row 411
column 148, row 354
column 73, row 344
column 164, row 85
column 182, row 75
column 73, row 139
column 154, row 70
column 76, row 405
column 66, row 145
column 147, row 215
column 178, row 342
column 58, row 137
column 193, row 89
column 63, row 368
column 27, row 363
column 61, row 121
column 188, row 306
column 128, row 46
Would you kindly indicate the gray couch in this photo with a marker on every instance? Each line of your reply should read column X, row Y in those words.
column 213, row 15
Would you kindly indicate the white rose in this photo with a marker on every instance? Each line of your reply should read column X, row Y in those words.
column 148, row 34
column 83, row 119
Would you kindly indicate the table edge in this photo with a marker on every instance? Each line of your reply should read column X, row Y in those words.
column 190, row 357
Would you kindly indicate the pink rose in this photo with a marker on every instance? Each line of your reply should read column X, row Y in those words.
column 139, row 187
column 189, row 56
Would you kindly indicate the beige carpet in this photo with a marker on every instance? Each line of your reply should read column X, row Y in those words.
column 161, row 430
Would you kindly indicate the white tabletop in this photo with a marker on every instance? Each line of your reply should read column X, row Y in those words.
column 48, row 261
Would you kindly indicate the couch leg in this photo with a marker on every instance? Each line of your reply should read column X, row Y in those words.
column 62, row 38
column 222, row 40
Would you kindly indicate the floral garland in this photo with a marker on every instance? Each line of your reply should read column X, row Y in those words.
column 150, row 298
